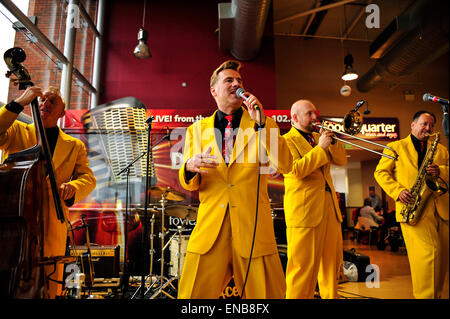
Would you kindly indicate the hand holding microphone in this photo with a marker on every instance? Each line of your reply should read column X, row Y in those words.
column 253, row 106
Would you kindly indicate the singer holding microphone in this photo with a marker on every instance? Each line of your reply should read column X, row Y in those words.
column 221, row 162
column 313, row 217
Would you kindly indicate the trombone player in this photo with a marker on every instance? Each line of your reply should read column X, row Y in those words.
column 427, row 242
column 313, row 217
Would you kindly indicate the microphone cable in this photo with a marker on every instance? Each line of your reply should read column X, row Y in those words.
column 257, row 204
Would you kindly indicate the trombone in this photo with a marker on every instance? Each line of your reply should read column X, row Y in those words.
column 352, row 124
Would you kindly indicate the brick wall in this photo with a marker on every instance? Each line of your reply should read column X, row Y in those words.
column 51, row 16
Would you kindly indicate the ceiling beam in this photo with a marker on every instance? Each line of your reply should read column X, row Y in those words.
column 305, row 13
column 296, row 35
column 355, row 21
column 311, row 18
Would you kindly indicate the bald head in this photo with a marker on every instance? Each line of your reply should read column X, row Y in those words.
column 303, row 114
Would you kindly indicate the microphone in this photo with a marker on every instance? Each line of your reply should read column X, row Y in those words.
column 240, row 94
column 150, row 119
column 358, row 105
column 428, row 97
column 168, row 136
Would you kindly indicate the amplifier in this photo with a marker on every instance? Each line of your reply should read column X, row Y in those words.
column 105, row 259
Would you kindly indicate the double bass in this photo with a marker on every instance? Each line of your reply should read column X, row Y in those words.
column 23, row 190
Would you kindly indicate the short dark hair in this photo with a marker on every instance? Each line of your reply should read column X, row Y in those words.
column 367, row 201
column 230, row 64
column 371, row 188
column 418, row 114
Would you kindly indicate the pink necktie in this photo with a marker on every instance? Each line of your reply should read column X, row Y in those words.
column 227, row 148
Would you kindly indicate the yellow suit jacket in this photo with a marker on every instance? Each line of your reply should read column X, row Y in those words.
column 395, row 176
column 234, row 186
column 70, row 164
column 305, row 185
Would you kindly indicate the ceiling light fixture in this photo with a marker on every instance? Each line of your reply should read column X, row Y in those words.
column 349, row 73
column 142, row 50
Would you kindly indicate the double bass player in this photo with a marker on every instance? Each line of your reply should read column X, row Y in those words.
column 74, row 178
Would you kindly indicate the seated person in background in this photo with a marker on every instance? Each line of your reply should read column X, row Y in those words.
column 368, row 217
column 375, row 200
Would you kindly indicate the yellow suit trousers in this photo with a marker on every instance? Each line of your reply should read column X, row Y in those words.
column 206, row 276
column 315, row 255
column 427, row 244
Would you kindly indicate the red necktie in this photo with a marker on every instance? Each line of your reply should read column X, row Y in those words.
column 311, row 140
column 228, row 140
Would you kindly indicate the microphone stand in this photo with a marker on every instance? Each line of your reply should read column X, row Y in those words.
column 445, row 127
column 144, row 233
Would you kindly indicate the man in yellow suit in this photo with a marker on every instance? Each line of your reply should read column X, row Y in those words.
column 73, row 176
column 313, row 217
column 221, row 243
column 427, row 242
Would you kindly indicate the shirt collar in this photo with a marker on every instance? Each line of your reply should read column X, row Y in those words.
column 417, row 143
column 304, row 134
column 236, row 115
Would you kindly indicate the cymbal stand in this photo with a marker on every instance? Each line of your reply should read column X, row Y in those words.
column 144, row 232
column 161, row 278
column 152, row 251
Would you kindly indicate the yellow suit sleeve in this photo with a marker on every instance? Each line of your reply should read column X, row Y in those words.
column 7, row 119
column 304, row 165
column 194, row 183
column 384, row 175
column 281, row 158
column 337, row 154
column 444, row 169
column 83, row 178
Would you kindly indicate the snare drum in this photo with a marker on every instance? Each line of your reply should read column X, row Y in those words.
column 175, row 253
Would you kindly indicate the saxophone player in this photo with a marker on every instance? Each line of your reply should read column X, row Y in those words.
column 427, row 242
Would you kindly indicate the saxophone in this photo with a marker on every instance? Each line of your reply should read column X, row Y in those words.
column 424, row 187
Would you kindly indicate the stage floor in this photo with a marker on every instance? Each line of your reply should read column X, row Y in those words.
column 395, row 276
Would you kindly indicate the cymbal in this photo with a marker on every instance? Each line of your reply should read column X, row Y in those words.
column 150, row 210
column 170, row 193
column 276, row 204
column 182, row 211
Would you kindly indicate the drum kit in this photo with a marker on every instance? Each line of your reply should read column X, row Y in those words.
column 177, row 242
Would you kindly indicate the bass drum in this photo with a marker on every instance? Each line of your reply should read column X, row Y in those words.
column 178, row 253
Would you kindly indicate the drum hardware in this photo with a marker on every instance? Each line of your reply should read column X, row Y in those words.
column 186, row 213
column 176, row 252
column 183, row 212
column 161, row 278
column 148, row 190
column 169, row 193
column 161, row 282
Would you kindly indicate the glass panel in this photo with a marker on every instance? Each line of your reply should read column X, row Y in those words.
column 84, row 53
column 7, row 35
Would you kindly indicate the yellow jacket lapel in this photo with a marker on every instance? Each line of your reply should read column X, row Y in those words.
column 62, row 149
